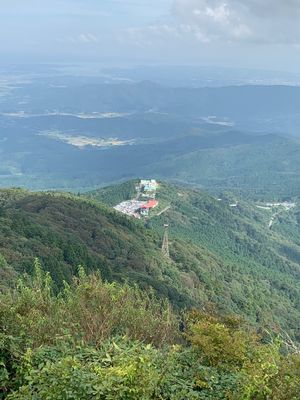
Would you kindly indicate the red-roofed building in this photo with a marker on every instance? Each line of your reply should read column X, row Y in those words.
column 150, row 204
column 146, row 207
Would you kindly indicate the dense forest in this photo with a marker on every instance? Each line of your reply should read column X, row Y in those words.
column 91, row 309
column 226, row 252
column 95, row 340
column 220, row 255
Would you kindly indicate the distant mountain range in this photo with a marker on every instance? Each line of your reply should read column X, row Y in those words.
column 57, row 131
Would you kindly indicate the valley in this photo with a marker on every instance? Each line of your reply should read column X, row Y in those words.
column 224, row 182
column 84, row 141
column 150, row 200
column 58, row 132
column 132, row 202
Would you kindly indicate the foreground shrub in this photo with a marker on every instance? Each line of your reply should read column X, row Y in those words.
column 120, row 370
column 115, row 372
column 103, row 341
column 89, row 310
column 100, row 310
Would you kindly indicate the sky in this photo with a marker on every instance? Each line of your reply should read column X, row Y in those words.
column 235, row 33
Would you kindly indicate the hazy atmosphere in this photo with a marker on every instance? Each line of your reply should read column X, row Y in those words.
column 243, row 33
column 150, row 200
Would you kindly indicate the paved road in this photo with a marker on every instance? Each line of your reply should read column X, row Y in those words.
column 163, row 211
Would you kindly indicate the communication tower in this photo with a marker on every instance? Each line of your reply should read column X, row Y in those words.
column 165, row 243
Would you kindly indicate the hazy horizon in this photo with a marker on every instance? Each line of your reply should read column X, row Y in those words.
column 235, row 33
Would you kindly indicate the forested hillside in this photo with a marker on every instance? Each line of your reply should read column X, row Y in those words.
column 224, row 247
column 266, row 167
column 65, row 231
column 221, row 255
column 224, row 260
column 101, row 341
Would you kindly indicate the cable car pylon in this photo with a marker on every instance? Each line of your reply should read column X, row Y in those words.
column 165, row 243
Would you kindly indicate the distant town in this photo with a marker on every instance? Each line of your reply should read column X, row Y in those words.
column 144, row 201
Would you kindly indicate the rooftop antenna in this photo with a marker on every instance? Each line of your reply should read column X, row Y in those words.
column 165, row 243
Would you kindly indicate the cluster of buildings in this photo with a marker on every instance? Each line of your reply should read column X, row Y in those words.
column 143, row 203
column 148, row 187
column 129, row 207
column 145, row 208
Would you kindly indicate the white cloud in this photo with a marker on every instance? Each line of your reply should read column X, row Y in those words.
column 266, row 21
column 82, row 38
column 88, row 38
column 153, row 35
